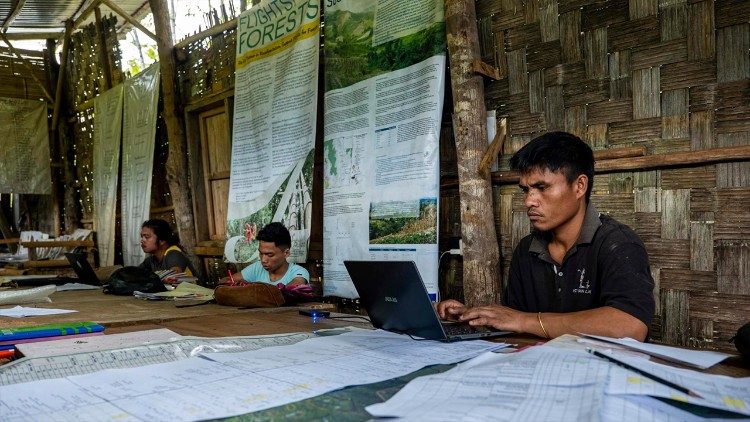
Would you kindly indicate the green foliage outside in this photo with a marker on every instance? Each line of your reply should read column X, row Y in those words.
column 407, row 230
column 350, row 57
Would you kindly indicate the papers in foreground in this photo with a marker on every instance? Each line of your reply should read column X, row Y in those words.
column 549, row 383
column 225, row 384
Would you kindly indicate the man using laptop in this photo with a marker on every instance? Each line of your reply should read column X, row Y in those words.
column 578, row 271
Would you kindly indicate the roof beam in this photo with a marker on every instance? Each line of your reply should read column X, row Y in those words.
column 86, row 12
column 15, row 36
column 117, row 9
column 13, row 13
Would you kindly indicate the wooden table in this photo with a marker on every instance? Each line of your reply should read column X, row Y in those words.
column 126, row 314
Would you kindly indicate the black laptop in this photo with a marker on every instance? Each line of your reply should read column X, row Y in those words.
column 395, row 298
column 80, row 265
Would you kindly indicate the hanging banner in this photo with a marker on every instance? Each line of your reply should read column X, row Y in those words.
column 275, row 106
column 24, row 163
column 107, row 135
column 140, row 110
column 384, row 82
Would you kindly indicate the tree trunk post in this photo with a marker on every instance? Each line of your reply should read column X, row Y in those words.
column 481, row 275
column 177, row 163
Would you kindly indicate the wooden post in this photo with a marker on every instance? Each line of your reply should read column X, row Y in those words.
column 53, row 72
column 103, row 51
column 61, row 75
column 481, row 275
column 177, row 163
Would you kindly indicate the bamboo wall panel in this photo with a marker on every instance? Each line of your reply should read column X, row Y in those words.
column 671, row 76
column 85, row 77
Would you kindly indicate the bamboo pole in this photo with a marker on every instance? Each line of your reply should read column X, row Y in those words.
column 103, row 53
column 651, row 162
column 61, row 75
column 214, row 30
column 177, row 160
column 481, row 264
column 117, row 9
column 16, row 10
column 16, row 36
column 28, row 67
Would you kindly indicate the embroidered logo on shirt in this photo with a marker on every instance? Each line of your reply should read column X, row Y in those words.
column 584, row 284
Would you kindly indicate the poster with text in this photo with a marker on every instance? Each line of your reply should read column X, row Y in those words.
column 273, row 139
column 140, row 110
column 384, row 83
column 24, row 163
column 107, row 136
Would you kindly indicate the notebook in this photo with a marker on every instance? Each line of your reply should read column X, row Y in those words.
column 395, row 298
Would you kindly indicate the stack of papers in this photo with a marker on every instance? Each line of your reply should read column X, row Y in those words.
column 182, row 291
column 700, row 359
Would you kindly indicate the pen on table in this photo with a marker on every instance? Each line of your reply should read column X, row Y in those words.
column 653, row 377
column 231, row 279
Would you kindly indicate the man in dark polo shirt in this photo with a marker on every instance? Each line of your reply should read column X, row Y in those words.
column 578, row 271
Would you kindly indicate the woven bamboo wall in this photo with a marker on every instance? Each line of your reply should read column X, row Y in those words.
column 15, row 79
column 206, row 66
column 669, row 75
column 85, row 77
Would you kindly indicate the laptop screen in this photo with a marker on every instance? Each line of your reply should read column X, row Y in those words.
column 394, row 296
column 81, row 266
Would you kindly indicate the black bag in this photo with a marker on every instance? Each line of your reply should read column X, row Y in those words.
column 127, row 280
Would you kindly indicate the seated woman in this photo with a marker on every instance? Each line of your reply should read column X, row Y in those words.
column 158, row 239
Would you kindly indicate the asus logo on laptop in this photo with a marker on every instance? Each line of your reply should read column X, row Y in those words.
column 391, row 299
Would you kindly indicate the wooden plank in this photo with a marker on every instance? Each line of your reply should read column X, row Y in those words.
column 720, row 308
column 733, row 174
column 732, row 59
column 673, row 51
column 675, row 213
column 676, row 322
column 700, row 37
column 642, row 8
column 620, row 85
column 733, row 267
column 702, row 204
column 554, row 108
column 548, row 23
column 672, row 253
column 640, row 131
column 646, row 90
column 687, row 280
column 673, row 19
column 570, row 30
column 595, row 53
column 611, row 111
column 702, row 246
column 687, row 74
column 688, row 178
column 702, row 130
column 732, row 214
column 517, row 73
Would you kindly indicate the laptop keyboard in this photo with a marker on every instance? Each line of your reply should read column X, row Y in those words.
column 458, row 329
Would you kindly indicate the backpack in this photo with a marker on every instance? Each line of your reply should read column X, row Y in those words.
column 127, row 280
